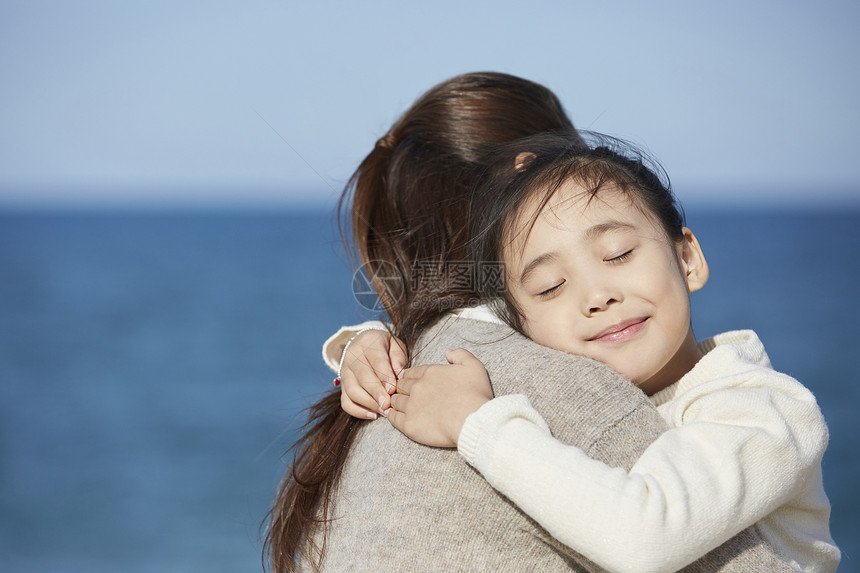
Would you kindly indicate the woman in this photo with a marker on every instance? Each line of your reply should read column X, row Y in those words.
column 362, row 496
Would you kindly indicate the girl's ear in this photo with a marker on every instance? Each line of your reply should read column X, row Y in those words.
column 693, row 263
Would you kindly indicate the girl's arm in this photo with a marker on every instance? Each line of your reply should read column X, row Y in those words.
column 741, row 454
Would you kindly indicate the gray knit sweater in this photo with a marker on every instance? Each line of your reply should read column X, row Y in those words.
column 401, row 506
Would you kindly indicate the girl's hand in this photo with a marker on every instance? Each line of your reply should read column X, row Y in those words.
column 433, row 401
column 369, row 372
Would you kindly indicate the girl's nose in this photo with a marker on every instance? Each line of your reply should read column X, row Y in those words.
column 600, row 304
column 599, row 296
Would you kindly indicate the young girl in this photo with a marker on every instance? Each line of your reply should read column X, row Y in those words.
column 598, row 263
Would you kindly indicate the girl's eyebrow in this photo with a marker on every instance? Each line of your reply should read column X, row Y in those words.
column 602, row 228
column 535, row 263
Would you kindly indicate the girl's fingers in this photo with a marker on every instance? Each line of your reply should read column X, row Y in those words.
column 368, row 382
column 404, row 388
column 375, row 358
column 397, row 419
column 398, row 404
column 380, row 364
column 354, row 409
column 413, row 373
column 374, row 347
column 352, row 389
column 460, row 356
column 397, row 356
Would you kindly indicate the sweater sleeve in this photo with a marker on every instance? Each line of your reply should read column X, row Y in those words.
column 333, row 347
column 740, row 454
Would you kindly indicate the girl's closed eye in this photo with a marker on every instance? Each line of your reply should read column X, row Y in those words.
column 623, row 257
column 550, row 291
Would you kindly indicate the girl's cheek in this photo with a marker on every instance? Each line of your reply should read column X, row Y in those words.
column 535, row 328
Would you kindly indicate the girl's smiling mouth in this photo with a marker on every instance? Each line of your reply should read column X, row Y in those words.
column 620, row 332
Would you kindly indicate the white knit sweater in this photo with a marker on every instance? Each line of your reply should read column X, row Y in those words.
column 745, row 448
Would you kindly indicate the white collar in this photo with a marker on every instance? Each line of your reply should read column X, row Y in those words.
column 481, row 312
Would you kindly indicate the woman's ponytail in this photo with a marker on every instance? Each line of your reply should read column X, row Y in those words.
column 302, row 503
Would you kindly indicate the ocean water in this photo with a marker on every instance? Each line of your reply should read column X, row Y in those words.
column 153, row 369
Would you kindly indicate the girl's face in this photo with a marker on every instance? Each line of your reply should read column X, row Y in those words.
column 602, row 279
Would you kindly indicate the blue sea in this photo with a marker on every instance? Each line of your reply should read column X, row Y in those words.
column 154, row 367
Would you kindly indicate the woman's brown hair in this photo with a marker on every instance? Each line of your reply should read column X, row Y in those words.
column 408, row 207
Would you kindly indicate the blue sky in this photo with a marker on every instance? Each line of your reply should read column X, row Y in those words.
column 172, row 101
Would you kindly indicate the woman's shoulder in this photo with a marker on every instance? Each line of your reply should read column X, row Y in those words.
column 495, row 341
column 509, row 355
column 584, row 402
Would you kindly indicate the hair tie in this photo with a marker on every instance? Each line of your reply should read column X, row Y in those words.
column 386, row 142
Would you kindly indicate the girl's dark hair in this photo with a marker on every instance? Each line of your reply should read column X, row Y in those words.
column 408, row 208
column 534, row 168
